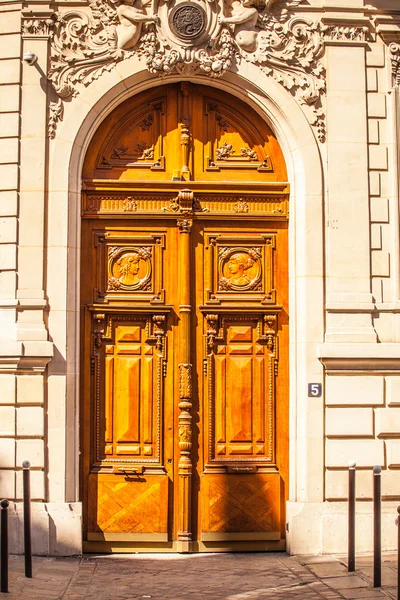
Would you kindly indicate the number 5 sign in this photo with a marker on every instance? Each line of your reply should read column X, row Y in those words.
column 314, row 390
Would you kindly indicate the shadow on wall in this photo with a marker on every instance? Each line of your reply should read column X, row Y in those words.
column 56, row 528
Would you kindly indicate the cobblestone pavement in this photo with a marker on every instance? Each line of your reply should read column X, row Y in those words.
column 241, row 576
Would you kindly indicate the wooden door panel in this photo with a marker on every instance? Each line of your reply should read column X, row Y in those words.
column 129, row 368
column 241, row 360
column 128, row 508
column 240, row 507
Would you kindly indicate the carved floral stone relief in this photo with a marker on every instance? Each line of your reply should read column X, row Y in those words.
column 200, row 36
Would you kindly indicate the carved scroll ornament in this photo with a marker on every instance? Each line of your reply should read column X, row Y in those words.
column 394, row 50
column 201, row 36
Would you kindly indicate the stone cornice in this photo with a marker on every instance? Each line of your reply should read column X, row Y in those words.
column 359, row 358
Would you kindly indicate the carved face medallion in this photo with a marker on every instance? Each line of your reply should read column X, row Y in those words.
column 129, row 268
column 187, row 20
column 240, row 269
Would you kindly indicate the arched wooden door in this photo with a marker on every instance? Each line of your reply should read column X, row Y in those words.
column 185, row 327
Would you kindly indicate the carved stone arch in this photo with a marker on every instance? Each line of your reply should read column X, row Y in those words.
column 299, row 145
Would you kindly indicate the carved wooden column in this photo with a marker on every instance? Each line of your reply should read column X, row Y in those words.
column 185, row 132
column 185, row 391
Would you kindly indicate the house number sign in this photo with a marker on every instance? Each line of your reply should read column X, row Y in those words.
column 314, row 390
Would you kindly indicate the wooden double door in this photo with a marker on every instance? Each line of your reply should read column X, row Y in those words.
column 184, row 350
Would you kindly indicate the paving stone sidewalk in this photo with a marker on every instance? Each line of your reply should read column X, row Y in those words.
column 241, row 576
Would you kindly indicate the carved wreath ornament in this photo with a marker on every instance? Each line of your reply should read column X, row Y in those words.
column 195, row 36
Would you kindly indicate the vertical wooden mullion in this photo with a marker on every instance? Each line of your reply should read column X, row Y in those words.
column 185, row 391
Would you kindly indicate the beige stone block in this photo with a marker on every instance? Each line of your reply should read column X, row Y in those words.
column 30, row 421
column 366, row 453
column 380, row 263
column 377, row 290
column 375, row 55
column 387, row 422
column 7, row 453
column 393, row 453
column 9, row 98
column 32, row 450
column 9, row 125
column 10, row 21
column 373, row 131
column 8, row 177
column 378, row 157
column 376, row 237
column 10, row 46
column 8, row 256
column 10, row 71
column 9, row 150
column 376, row 105
column 343, row 119
column 8, row 230
column 372, row 80
column 37, row 485
column 357, row 389
column 9, row 203
column 337, row 484
column 385, row 184
column 343, row 72
column 374, row 183
column 8, row 283
column 56, row 423
column 33, row 152
column 30, row 389
column 390, row 482
column 7, row 484
column 379, row 210
column 7, row 420
column 66, row 535
column 349, row 422
column 387, row 290
column 7, row 389
column 393, row 391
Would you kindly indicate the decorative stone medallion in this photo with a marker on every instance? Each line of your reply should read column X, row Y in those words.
column 187, row 20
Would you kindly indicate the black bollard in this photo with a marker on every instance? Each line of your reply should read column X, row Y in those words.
column 27, row 518
column 377, row 526
column 4, row 546
column 351, row 562
column 398, row 553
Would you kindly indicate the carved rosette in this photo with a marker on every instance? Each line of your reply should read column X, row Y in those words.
column 185, row 418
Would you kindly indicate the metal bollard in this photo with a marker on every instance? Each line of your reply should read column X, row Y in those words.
column 398, row 553
column 27, row 518
column 377, row 526
column 4, row 546
column 351, row 562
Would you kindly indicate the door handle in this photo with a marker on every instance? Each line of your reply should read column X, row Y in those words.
column 128, row 470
